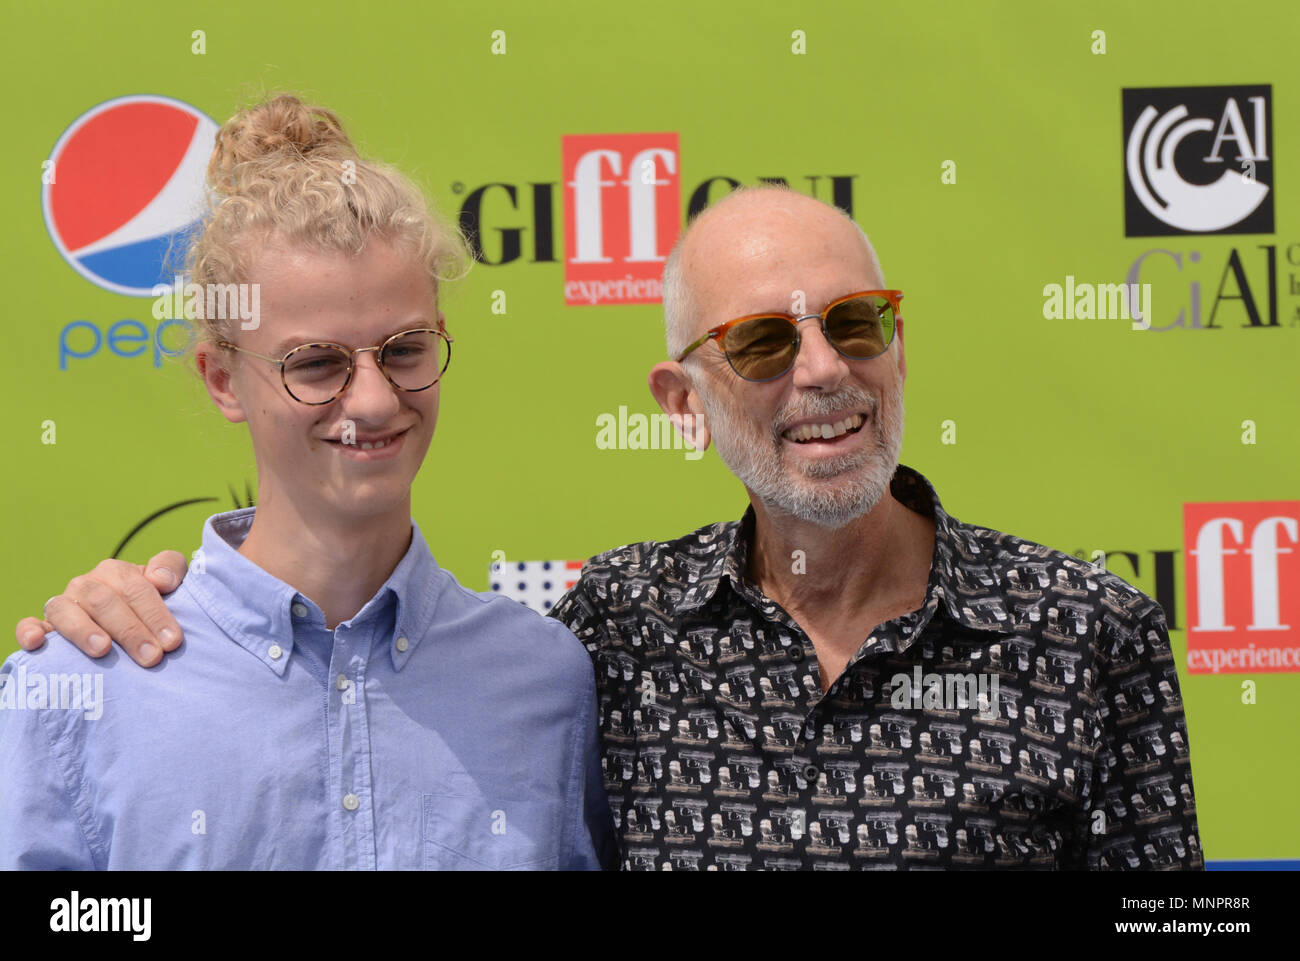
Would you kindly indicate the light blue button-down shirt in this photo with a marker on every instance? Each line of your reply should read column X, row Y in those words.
column 438, row 728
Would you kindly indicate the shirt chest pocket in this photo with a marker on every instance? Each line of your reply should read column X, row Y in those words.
column 470, row 832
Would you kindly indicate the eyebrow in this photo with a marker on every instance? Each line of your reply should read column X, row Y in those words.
column 286, row 345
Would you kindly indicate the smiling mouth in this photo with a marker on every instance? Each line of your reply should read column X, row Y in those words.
column 828, row 430
column 376, row 444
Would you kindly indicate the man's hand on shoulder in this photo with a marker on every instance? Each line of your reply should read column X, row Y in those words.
column 116, row 601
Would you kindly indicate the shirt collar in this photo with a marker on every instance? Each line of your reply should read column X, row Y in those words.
column 256, row 609
column 958, row 568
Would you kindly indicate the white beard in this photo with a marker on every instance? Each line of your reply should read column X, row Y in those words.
column 829, row 492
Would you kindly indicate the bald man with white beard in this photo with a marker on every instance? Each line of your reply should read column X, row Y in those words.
column 828, row 499
column 808, row 687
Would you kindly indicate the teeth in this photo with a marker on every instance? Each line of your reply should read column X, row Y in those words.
column 827, row 431
column 377, row 444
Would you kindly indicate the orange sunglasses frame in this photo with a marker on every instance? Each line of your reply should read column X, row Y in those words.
column 894, row 297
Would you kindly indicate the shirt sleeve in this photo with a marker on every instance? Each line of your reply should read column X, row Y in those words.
column 39, row 829
column 595, row 847
column 577, row 612
column 1142, row 815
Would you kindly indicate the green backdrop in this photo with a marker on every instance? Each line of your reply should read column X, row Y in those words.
column 1081, row 434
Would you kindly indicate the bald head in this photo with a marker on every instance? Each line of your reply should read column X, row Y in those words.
column 756, row 250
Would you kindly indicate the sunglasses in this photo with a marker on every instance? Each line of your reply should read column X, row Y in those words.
column 763, row 347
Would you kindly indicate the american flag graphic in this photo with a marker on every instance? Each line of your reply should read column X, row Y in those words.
column 535, row 584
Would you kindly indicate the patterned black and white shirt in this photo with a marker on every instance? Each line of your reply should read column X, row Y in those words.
column 1027, row 715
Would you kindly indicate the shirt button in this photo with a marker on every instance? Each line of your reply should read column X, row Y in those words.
column 342, row 682
column 351, row 802
column 275, row 651
column 299, row 610
column 403, row 643
column 810, row 773
column 796, row 653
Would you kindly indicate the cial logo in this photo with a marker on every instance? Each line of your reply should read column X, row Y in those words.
column 1197, row 160
column 123, row 184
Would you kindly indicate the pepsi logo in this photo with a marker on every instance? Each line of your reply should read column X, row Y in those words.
column 127, row 188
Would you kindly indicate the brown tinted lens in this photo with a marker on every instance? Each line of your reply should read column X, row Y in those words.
column 861, row 327
column 315, row 374
column 761, row 348
column 416, row 359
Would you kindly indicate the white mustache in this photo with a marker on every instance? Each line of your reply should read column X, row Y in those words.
column 823, row 406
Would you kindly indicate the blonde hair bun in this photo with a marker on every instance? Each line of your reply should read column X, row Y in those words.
column 287, row 169
column 283, row 128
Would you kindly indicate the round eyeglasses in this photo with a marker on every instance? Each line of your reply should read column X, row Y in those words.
column 315, row 374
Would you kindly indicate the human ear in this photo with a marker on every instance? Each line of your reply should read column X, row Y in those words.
column 678, row 399
column 212, row 362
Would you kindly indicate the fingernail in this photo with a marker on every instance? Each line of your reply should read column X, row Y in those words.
column 167, row 635
column 166, row 575
column 148, row 652
column 98, row 644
